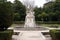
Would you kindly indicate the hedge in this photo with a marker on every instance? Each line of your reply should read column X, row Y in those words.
column 19, row 22
column 55, row 34
column 48, row 22
column 39, row 22
column 6, row 35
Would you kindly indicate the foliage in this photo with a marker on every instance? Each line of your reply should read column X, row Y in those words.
column 19, row 8
column 55, row 34
column 44, row 16
column 6, row 35
column 17, row 16
column 6, row 15
column 48, row 22
column 57, row 0
column 37, row 11
column 18, row 22
column 53, row 9
column 49, row 12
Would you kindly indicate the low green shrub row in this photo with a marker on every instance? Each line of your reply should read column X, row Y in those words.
column 55, row 34
column 39, row 22
column 6, row 35
column 48, row 22
column 19, row 22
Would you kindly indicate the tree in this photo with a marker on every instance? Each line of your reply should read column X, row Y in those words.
column 57, row 0
column 17, row 16
column 6, row 15
column 53, row 8
column 44, row 16
column 38, row 11
column 20, row 9
column 49, row 0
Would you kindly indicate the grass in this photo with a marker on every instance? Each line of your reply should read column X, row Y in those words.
column 48, row 25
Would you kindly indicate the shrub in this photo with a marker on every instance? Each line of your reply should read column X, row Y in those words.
column 6, row 15
column 18, row 22
column 6, row 35
column 48, row 22
column 55, row 34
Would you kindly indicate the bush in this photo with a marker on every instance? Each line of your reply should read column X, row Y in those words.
column 48, row 22
column 6, row 35
column 18, row 22
column 55, row 34
column 6, row 15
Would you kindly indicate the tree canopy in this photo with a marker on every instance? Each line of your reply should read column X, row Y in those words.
column 51, row 9
column 6, row 15
column 20, row 9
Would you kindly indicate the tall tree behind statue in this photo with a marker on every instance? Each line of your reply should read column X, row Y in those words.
column 19, row 10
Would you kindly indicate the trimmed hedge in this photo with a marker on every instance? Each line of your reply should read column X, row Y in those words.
column 39, row 22
column 6, row 35
column 48, row 22
column 18, row 22
column 55, row 34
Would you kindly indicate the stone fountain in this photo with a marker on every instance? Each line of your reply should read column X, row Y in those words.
column 30, row 23
column 30, row 18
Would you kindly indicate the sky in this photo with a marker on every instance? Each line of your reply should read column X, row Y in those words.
column 38, row 3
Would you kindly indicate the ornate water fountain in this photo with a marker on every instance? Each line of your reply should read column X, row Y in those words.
column 30, row 31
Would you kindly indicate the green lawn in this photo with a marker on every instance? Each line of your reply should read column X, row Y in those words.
column 48, row 25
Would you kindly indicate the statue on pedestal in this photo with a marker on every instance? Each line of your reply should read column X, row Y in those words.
column 30, row 18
